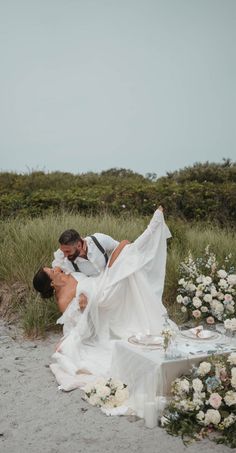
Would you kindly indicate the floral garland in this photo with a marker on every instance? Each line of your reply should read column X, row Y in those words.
column 106, row 393
column 204, row 402
column 207, row 291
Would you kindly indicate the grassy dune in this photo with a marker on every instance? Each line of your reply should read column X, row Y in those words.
column 29, row 243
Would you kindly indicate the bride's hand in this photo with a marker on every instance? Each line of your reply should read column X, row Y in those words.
column 83, row 302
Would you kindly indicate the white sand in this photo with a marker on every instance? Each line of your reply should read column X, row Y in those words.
column 35, row 417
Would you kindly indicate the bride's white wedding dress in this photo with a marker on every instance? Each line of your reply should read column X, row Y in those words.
column 123, row 300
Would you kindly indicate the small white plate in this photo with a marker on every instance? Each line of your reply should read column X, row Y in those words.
column 203, row 334
column 152, row 341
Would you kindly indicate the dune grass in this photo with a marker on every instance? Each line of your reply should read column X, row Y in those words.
column 27, row 244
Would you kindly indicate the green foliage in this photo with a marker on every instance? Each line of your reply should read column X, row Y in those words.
column 201, row 192
column 37, row 315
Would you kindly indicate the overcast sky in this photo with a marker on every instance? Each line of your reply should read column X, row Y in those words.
column 86, row 85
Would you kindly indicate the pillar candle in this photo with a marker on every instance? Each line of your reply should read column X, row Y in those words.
column 150, row 414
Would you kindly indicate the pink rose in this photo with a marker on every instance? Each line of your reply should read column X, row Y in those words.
column 215, row 400
column 223, row 375
column 210, row 320
column 196, row 313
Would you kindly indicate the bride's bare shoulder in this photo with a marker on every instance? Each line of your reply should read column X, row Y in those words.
column 66, row 292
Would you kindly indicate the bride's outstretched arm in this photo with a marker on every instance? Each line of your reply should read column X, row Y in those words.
column 155, row 222
column 141, row 240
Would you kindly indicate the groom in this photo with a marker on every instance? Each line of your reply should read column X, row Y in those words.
column 88, row 255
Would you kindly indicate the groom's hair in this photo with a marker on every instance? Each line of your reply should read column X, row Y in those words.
column 42, row 284
column 69, row 237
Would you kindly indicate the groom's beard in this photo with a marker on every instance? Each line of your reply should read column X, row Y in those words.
column 74, row 256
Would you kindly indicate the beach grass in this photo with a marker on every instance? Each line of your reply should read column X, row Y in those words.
column 27, row 244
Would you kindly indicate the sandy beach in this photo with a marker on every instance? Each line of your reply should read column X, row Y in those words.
column 36, row 417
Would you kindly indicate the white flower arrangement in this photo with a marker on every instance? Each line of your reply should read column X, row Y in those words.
column 230, row 324
column 204, row 402
column 207, row 292
column 106, row 393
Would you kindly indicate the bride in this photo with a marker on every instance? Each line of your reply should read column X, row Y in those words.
column 123, row 300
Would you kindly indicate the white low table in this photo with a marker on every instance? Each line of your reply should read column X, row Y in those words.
column 147, row 371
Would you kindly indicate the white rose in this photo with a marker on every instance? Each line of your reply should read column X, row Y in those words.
column 229, row 308
column 182, row 282
column 110, row 402
column 117, row 384
column 232, row 279
column 217, row 306
column 179, row 299
column 103, row 391
column 198, row 293
column 197, row 385
column 223, row 283
column 232, row 358
column 230, row 398
column 233, row 377
column 183, row 309
column 222, row 274
column 199, row 279
column 184, row 385
column 186, row 300
column 207, row 298
column 203, row 368
column 227, row 324
column 197, row 302
column 190, row 287
column 230, row 324
column 212, row 416
column 200, row 416
column 204, row 309
column 220, row 296
column 207, row 281
column 121, row 395
column 214, row 292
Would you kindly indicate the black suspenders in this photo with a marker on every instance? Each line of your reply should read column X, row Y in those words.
column 99, row 246
column 75, row 266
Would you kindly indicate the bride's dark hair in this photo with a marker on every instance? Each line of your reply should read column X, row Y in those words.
column 42, row 284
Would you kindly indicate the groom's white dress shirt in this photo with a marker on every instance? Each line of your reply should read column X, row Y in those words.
column 96, row 261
